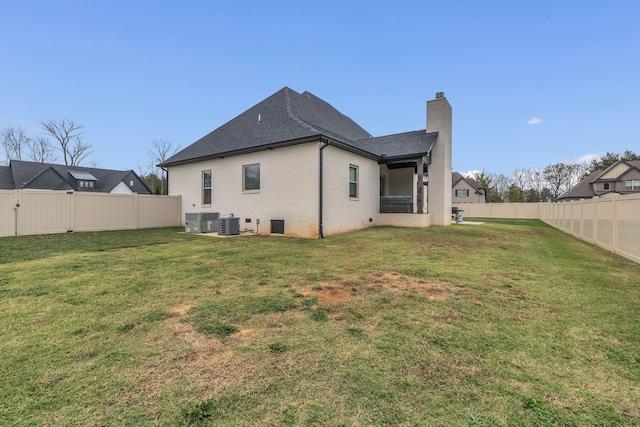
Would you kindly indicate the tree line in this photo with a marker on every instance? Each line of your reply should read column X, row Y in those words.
column 542, row 185
column 67, row 134
column 68, row 141
column 524, row 185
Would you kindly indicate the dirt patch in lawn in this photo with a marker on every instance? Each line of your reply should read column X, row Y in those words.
column 375, row 282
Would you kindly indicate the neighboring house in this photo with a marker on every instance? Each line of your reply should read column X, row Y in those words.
column 466, row 190
column 294, row 165
column 21, row 175
column 622, row 177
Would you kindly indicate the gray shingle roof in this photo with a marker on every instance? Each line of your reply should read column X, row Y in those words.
column 288, row 117
column 6, row 178
column 399, row 145
column 457, row 176
column 583, row 189
column 46, row 176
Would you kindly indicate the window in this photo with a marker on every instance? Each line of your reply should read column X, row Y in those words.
column 605, row 186
column 462, row 193
column 353, row 182
column 206, row 187
column 632, row 185
column 82, row 183
column 251, row 177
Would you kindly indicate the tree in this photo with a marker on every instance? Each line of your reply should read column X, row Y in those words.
column 501, row 185
column 14, row 140
column 69, row 136
column 40, row 150
column 515, row 194
column 560, row 177
column 496, row 186
column 485, row 181
column 607, row 160
column 537, row 184
column 522, row 181
column 161, row 150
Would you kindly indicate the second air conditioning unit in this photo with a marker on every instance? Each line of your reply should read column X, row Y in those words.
column 228, row 225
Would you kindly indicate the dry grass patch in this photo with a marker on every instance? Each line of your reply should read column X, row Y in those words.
column 378, row 282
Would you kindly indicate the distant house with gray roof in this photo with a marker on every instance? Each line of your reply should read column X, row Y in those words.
column 22, row 175
column 294, row 165
column 622, row 177
column 466, row 190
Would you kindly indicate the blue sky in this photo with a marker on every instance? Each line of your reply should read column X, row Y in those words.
column 530, row 83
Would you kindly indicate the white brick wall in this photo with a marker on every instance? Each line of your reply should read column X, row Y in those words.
column 342, row 214
column 289, row 189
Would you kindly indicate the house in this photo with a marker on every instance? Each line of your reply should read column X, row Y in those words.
column 622, row 177
column 294, row 165
column 466, row 190
column 21, row 175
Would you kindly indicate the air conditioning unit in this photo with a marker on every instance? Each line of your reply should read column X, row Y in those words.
column 201, row 222
column 228, row 226
column 209, row 222
column 192, row 227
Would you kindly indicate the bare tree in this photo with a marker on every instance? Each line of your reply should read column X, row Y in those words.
column 40, row 150
column 522, row 181
column 536, row 180
column 501, row 184
column 161, row 150
column 69, row 136
column 560, row 177
column 14, row 140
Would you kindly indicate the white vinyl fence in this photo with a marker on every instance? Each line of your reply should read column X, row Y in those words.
column 501, row 210
column 611, row 222
column 25, row 212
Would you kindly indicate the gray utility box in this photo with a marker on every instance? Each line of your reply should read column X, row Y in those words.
column 201, row 222
column 228, row 226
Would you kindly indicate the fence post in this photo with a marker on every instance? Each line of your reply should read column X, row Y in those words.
column 614, row 238
column 16, row 212
column 136, row 222
column 595, row 219
column 71, row 211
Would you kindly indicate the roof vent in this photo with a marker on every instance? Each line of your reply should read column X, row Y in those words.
column 439, row 95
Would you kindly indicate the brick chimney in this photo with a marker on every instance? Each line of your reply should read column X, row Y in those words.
column 439, row 120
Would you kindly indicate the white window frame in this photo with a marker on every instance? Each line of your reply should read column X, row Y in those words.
column 244, row 181
column 354, row 183
column 632, row 185
column 205, row 188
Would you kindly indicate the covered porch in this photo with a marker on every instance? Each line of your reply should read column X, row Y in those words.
column 403, row 186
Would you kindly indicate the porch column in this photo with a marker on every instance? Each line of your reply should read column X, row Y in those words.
column 420, row 186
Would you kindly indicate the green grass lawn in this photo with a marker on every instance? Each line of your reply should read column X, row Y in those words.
column 506, row 323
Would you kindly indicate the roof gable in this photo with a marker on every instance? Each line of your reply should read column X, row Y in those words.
column 47, row 179
column 457, row 176
column 615, row 170
column 288, row 117
column 285, row 116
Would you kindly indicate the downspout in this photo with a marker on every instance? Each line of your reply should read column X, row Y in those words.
column 323, row 145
